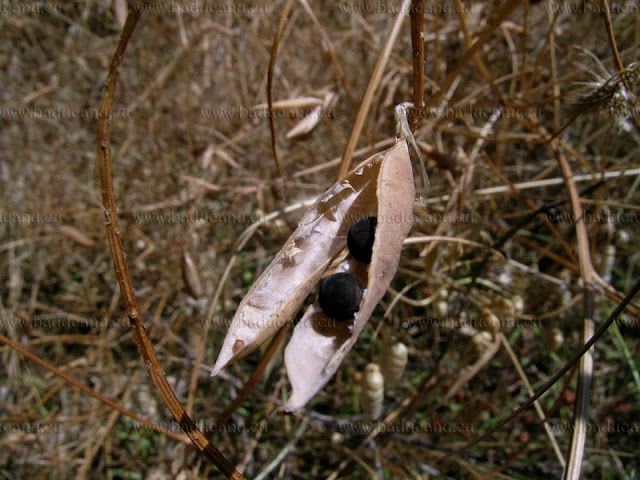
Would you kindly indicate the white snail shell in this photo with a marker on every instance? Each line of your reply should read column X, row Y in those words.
column 491, row 321
column 393, row 360
column 372, row 391
column 553, row 337
column 480, row 342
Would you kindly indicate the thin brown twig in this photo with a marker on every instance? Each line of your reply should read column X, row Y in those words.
column 120, row 265
column 612, row 42
column 576, row 450
column 417, row 45
column 334, row 58
column 92, row 447
column 476, row 56
column 483, row 38
column 557, row 376
column 92, row 393
column 272, row 65
column 536, row 404
column 554, row 72
column 616, row 55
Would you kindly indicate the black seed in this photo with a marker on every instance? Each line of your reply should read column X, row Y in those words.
column 360, row 238
column 340, row 295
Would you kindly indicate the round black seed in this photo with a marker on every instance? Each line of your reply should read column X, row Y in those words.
column 360, row 238
column 340, row 295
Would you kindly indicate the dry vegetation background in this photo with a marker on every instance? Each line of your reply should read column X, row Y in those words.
column 193, row 169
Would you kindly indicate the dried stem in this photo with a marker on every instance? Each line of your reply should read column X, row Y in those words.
column 612, row 42
column 272, row 64
column 536, row 404
column 483, row 38
column 120, row 266
column 558, row 375
column 92, row 393
column 374, row 82
column 574, row 460
column 417, row 45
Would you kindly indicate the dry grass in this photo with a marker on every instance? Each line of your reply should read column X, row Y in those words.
column 193, row 169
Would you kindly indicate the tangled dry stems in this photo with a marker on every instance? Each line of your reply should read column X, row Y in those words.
column 193, row 168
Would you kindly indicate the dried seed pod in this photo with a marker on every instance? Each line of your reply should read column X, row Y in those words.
column 360, row 239
column 381, row 186
column 314, row 354
column 190, row 276
column 340, row 295
column 278, row 293
column 393, row 360
column 372, row 391
column 307, row 124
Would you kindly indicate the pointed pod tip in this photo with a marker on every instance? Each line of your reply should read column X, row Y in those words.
column 293, row 405
column 223, row 360
column 298, row 399
column 217, row 368
column 228, row 354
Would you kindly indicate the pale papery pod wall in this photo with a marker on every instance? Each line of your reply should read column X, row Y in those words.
column 319, row 344
column 280, row 291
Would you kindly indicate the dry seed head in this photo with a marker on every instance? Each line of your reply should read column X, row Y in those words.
column 393, row 360
column 372, row 391
column 609, row 93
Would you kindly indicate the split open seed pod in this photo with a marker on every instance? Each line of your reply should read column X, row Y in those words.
column 381, row 186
